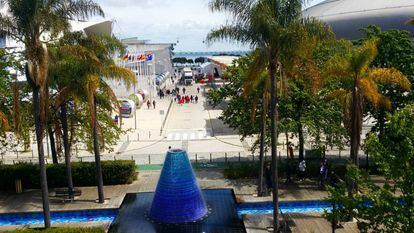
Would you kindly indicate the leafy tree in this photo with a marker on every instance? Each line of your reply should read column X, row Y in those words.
column 395, row 50
column 357, row 83
column 388, row 207
column 200, row 60
column 181, row 60
column 90, row 62
column 27, row 22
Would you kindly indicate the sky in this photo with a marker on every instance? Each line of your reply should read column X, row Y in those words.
column 184, row 21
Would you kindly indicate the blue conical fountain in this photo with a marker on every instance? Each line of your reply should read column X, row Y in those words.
column 178, row 198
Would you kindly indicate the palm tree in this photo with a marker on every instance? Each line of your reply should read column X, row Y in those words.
column 27, row 22
column 357, row 85
column 90, row 59
column 258, row 89
column 273, row 28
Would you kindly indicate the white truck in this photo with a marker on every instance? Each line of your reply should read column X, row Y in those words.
column 188, row 76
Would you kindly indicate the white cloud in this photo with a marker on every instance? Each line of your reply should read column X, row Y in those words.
column 188, row 21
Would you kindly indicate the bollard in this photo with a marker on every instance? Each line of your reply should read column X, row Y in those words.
column 239, row 157
column 196, row 158
column 149, row 159
column 225, row 157
column 211, row 160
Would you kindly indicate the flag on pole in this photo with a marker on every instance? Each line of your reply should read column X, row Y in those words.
column 149, row 57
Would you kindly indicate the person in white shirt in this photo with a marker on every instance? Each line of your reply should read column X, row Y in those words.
column 302, row 170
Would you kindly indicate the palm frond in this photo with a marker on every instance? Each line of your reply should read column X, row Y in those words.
column 370, row 91
column 81, row 9
column 4, row 123
column 229, row 33
column 338, row 68
column 239, row 9
column 390, row 76
column 119, row 73
column 363, row 56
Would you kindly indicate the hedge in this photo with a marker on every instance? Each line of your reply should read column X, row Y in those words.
column 61, row 230
column 83, row 174
column 250, row 170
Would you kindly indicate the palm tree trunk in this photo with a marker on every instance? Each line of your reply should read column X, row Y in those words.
column 39, row 138
column 273, row 135
column 301, row 141
column 64, row 120
column 52, row 144
column 356, row 125
column 99, row 177
column 262, row 147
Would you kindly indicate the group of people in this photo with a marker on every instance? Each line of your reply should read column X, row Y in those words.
column 186, row 99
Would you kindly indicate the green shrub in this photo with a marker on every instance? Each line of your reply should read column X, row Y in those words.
column 83, row 174
column 250, row 170
column 61, row 230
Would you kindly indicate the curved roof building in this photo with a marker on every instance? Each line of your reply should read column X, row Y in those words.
column 346, row 17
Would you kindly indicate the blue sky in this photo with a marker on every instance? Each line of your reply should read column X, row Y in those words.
column 185, row 21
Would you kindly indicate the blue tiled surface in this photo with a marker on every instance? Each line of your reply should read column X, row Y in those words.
column 285, row 207
column 178, row 197
column 58, row 217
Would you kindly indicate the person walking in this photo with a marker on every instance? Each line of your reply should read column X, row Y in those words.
column 184, row 90
column 196, row 99
column 191, row 98
column 323, row 172
column 198, row 90
column 153, row 103
column 302, row 170
column 291, row 155
column 148, row 104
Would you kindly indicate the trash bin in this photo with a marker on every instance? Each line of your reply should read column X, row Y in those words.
column 18, row 184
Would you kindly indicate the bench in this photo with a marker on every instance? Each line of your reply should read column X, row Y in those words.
column 64, row 194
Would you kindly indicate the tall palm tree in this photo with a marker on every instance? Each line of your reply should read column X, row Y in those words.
column 273, row 28
column 90, row 59
column 27, row 21
column 258, row 89
column 357, row 85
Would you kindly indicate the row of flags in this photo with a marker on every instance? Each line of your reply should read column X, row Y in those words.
column 136, row 57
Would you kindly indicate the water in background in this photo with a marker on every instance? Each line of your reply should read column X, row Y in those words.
column 194, row 55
